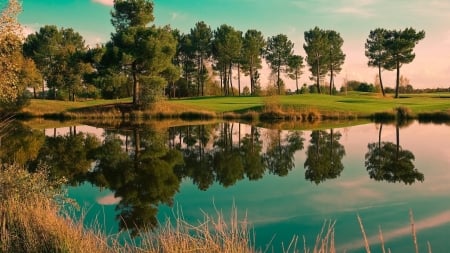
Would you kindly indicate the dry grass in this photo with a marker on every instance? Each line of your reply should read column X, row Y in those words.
column 213, row 234
column 29, row 217
column 381, row 238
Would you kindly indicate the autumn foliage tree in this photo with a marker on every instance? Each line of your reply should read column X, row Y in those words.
column 10, row 51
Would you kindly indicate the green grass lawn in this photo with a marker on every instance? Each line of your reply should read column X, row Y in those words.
column 357, row 103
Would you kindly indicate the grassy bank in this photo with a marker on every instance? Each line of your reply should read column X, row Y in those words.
column 304, row 107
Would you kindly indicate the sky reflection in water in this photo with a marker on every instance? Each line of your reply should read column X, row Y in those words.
column 280, row 207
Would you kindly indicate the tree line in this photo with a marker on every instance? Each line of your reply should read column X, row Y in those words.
column 147, row 62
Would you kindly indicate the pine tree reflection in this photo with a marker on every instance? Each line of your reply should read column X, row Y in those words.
column 324, row 156
column 279, row 157
column 388, row 161
column 142, row 178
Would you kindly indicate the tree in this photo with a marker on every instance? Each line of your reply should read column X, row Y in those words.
column 399, row 45
column 201, row 39
column 376, row 52
column 10, row 51
column 171, row 74
column 185, row 60
column 295, row 65
column 59, row 55
column 142, row 52
column 30, row 76
column 335, row 56
column 252, row 51
column 227, row 46
column 316, row 43
column 278, row 51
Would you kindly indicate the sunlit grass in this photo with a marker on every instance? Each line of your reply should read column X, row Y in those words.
column 353, row 104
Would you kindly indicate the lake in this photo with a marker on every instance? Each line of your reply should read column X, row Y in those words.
column 286, row 182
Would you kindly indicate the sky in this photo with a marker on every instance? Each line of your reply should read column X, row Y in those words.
column 353, row 19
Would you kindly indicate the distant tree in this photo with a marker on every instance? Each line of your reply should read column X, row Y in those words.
column 295, row 65
column 316, row 45
column 201, row 39
column 335, row 55
column 10, row 52
column 171, row 74
column 399, row 45
column 227, row 45
column 279, row 50
column 184, row 59
column 59, row 55
column 376, row 52
column 252, row 51
column 30, row 76
column 141, row 51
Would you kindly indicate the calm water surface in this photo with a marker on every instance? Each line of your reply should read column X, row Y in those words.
column 287, row 182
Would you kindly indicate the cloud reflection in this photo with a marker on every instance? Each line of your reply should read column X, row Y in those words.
column 108, row 200
column 104, row 2
column 428, row 223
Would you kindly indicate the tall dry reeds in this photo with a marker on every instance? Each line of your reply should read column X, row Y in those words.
column 30, row 219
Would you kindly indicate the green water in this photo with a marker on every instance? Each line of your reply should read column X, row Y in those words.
column 292, row 184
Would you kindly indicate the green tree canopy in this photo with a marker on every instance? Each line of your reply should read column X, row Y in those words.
column 376, row 52
column 295, row 65
column 278, row 51
column 316, row 53
column 252, row 51
column 227, row 46
column 141, row 51
column 335, row 56
column 201, row 38
column 399, row 45
column 59, row 55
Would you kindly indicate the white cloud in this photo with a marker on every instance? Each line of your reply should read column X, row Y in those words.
column 104, row 2
column 352, row 10
column 175, row 15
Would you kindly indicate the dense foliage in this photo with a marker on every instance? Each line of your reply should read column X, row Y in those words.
column 147, row 62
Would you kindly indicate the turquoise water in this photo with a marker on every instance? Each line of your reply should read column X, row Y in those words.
column 280, row 207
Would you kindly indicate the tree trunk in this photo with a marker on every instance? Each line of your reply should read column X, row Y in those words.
column 318, row 76
column 381, row 81
column 239, row 79
column 331, row 79
column 397, row 83
column 296, row 82
column 278, row 80
column 251, row 81
column 135, row 85
column 230, row 78
column 397, row 131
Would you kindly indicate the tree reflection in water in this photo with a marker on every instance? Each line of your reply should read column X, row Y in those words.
column 388, row 161
column 144, row 167
column 324, row 156
column 141, row 178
